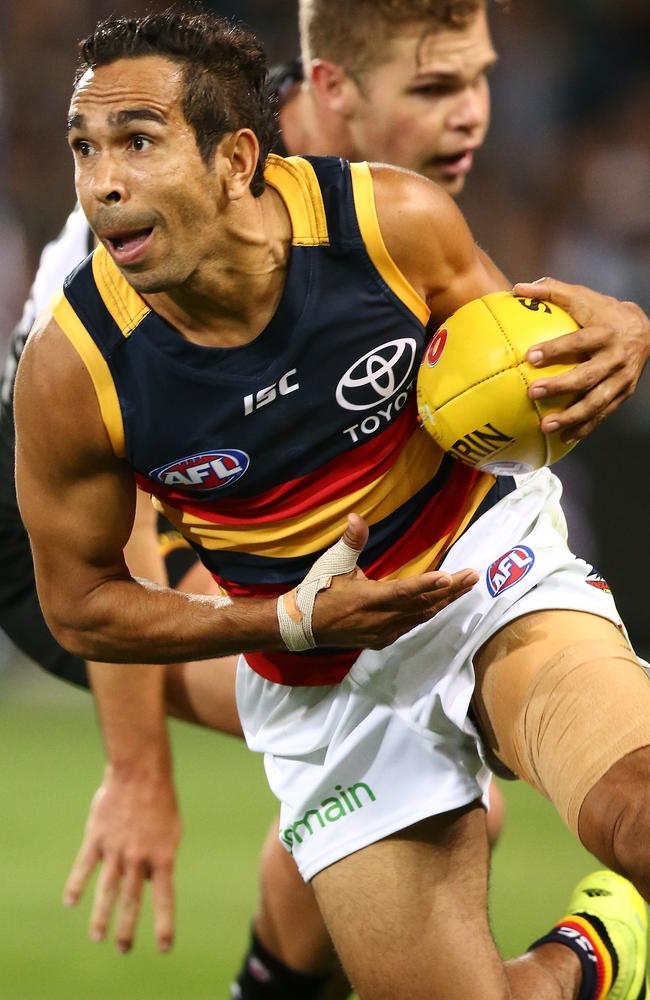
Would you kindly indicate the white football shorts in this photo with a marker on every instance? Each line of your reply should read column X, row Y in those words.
column 392, row 744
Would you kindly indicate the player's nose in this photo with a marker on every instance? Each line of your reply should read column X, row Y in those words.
column 109, row 183
column 470, row 110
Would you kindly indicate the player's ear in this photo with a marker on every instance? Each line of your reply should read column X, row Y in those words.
column 333, row 86
column 237, row 155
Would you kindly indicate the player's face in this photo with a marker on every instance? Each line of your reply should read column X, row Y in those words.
column 146, row 192
column 427, row 106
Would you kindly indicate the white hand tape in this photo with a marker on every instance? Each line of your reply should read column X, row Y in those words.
column 298, row 635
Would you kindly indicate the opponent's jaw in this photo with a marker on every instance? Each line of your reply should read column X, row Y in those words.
column 450, row 170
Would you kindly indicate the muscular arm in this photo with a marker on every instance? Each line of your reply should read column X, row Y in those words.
column 429, row 240
column 71, row 487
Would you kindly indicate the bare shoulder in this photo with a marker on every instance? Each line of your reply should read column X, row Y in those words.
column 54, row 394
column 428, row 238
column 418, row 216
column 406, row 198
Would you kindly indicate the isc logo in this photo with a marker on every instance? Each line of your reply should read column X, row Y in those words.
column 205, row 472
column 509, row 569
column 282, row 388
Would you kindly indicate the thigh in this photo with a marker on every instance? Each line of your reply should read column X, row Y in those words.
column 560, row 697
column 402, row 913
column 204, row 693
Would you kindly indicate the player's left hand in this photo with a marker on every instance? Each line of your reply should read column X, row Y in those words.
column 132, row 834
column 614, row 342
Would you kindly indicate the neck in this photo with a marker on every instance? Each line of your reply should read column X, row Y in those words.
column 229, row 299
column 310, row 128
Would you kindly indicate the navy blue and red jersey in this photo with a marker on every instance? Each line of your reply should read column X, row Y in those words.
column 257, row 453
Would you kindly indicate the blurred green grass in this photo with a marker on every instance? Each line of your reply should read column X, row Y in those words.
column 51, row 764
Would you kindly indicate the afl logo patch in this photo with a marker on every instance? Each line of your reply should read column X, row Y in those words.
column 436, row 347
column 205, row 472
column 509, row 569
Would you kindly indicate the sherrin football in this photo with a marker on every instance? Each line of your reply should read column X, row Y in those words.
column 473, row 383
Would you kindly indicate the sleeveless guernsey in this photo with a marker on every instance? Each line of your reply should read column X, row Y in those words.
column 257, row 453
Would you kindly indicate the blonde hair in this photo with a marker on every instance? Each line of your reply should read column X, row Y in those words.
column 354, row 33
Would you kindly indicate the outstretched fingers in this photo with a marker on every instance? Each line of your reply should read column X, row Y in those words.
column 395, row 607
column 432, row 591
column 84, row 865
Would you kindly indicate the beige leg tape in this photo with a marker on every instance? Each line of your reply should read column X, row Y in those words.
column 295, row 609
column 586, row 708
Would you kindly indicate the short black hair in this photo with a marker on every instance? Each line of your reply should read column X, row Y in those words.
column 224, row 72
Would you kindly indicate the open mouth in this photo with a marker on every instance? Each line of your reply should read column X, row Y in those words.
column 128, row 246
column 456, row 163
column 128, row 241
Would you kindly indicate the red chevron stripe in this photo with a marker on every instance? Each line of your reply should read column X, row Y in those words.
column 438, row 519
column 343, row 474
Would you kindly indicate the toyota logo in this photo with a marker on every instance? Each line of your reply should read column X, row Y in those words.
column 377, row 376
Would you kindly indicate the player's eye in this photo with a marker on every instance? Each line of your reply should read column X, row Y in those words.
column 436, row 89
column 139, row 143
column 82, row 148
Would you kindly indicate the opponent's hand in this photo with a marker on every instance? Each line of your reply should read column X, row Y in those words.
column 614, row 342
column 367, row 614
column 133, row 831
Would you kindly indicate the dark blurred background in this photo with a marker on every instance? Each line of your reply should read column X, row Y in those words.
column 562, row 188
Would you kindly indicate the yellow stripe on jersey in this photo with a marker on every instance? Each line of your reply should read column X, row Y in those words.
column 123, row 302
column 364, row 202
column 296, row 182
column 98, row 369
column 429, row 560
column 321, row 526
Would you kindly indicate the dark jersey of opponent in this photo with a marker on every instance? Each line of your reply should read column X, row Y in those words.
column 283, row 83
column 257, row 453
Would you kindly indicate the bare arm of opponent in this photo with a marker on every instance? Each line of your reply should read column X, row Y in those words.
column 133, row 828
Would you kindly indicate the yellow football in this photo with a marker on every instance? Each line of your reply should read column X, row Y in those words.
column 473, row 383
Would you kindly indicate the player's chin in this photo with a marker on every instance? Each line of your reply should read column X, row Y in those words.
column 147, row 280
column 452, row 183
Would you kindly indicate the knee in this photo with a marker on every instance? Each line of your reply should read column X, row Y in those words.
column 631, row 840
column 614, row 820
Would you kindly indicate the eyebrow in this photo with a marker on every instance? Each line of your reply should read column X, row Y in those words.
column 121, row 118
column 442, row 76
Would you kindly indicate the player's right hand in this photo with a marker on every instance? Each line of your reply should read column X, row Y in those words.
column 132, row 834
column 367, row 614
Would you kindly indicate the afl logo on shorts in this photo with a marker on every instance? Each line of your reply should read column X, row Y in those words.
column 509, row 569
column 204, row 473
column 436, row 347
